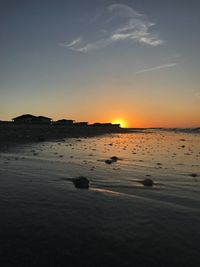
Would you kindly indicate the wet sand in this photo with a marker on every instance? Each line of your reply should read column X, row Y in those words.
column 46, row 221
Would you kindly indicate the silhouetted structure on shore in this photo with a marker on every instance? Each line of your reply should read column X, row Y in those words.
column 64, row 122
column 82, row 123
column 28, row 128
column 31, row 119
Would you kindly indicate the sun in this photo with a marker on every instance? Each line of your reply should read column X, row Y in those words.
column 122, row 122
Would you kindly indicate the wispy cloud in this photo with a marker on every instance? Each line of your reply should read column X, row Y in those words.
column 164, row 66
column 75, row 42
column 117, row 23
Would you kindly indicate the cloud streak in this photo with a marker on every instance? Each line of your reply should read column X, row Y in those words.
column 164, row 66
column 118, row 23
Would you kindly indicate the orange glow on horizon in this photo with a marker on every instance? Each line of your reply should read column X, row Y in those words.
column 122, row 122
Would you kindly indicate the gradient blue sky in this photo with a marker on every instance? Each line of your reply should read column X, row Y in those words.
column 101, row 60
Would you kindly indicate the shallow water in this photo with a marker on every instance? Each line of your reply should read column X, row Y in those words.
column 118, row 222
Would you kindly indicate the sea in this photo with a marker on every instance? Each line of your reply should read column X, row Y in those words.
column 119, row 221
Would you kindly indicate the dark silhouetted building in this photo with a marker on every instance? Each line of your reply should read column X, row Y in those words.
column 31, row 119
column 64, row 122
column 83, row 123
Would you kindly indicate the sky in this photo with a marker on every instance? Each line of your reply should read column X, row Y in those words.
column 136, row 61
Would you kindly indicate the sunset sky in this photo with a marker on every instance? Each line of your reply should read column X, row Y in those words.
column 101, row 60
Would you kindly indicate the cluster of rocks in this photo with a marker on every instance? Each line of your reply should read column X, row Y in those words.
column 83, row 183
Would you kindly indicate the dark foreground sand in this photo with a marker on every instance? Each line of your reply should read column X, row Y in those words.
column 11, row 134
column 46, row 221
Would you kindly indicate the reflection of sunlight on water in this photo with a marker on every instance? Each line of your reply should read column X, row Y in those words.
column 170, row 159
column 159, row 150
column 154, row 153
column 108, row 192
column 146, row 198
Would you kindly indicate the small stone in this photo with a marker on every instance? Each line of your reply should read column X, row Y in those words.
column 114, row 158
column 193, row 174
column 108, row 161
column 147, row 182
column 111, row 160
column 81, row 182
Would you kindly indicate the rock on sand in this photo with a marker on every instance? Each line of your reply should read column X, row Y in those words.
column 81, row 182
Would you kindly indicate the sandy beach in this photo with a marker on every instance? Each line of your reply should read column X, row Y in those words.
column 100, row 133
column 46, row 221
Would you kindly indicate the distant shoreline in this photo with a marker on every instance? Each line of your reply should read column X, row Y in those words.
column 14, row 134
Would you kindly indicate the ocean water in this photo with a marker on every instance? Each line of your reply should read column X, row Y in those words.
column 46, row 221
